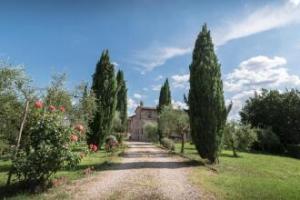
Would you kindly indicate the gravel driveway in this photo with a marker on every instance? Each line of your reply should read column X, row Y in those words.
column 145, row 172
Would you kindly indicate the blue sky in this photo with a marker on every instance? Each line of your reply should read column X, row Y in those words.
column 257, row 42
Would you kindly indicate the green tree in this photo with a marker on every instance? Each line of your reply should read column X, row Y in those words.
column 57, row 95
column 122, row 99
column 174, row 121
column 151, row 129
column 104, row 87
column 206, row 99
column 164, row 100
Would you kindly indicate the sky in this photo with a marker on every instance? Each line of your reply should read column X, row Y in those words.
column 257, row 43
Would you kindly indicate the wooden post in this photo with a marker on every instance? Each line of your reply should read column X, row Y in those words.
column 18, row 140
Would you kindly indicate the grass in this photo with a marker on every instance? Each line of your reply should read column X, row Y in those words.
column 250, row 176
column 98, row 161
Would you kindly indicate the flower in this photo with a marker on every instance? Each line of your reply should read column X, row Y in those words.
column 62, row 109
column 52, row 108
column 79, row 127
column 93, row 147
column 38, row 104
column 74, row 138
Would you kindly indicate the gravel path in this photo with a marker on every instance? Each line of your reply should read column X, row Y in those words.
column 145, row 172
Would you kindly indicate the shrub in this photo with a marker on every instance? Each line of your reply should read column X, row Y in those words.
column 293, row 150
column 168, row 143
column 49, row 147
column 151, row 131
column 268, row 141
column 111, row 143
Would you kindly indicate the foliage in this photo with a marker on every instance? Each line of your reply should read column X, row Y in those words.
column 168, row 143
column 164, row 100
column 122, row 99
column 267, row 141
column 174, row 121
column 294, row 150
column 150, row 129
column 267, row 110
column 105, row 89
column 14, row 89
column 206, row 99
column 111, row 143
column 49, row 148
column 57, row 95
column 239, row 137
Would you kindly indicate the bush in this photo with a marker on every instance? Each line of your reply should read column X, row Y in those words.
column 268, row 141
column 168, row 143
column 151, row 131
column 111, row 143
column 49, row 147
column 293, row 150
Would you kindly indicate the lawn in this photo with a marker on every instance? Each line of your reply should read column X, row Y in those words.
column 97, row 160
column 250, row 176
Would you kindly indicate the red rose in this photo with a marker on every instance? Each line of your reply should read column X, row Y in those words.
column 74, row 138
column 79, row 127
column 38, row 104
column 93, row 147
column 52, row 108
column 62, row 109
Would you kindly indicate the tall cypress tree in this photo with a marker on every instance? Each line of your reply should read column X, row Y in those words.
column 164, row 96
column 104, row 87
column 206, row 99
column 122, row 98
column 164, row 100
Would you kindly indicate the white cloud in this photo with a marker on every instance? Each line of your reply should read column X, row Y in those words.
column 262, row 19
column 180, row 81
column 115, row 64
column 137, row 96
column 145, row 89
column 156, row 87
column 132, row 104
column 179, row 105
column 256, row 73
column 155, row 57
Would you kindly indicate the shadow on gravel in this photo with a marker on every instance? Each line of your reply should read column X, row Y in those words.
column 144, row 165
column 145, row 154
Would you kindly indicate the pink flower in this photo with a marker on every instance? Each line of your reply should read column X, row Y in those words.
column 93, row 147
column 74, row 138
column 52, row 108
column 62, row 109
column 79, row 127
column 38, row 104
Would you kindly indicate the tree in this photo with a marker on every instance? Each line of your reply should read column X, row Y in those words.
column 122, row 99
column 164, row 100
column 206, row 99
column 177, row 121
column 104, row 87
column 57, row 95
column 151, row 129
column 267, row 110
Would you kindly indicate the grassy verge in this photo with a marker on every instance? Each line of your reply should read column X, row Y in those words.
column 98, row 161
column 250, row 176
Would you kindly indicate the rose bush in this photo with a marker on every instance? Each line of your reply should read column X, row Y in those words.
column 111, row 143
column 49, row 147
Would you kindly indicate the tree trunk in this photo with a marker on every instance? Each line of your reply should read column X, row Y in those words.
column 182, row 143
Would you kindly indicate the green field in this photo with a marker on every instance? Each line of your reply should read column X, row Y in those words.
column 98, row 161
column 250, row 176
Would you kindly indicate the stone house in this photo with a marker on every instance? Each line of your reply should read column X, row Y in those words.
column 136, row 122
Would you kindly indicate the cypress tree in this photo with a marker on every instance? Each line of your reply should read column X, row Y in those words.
column 164, row 100
column 206, row 99
column 122, row 98
column 164, row 96
column 104, row 87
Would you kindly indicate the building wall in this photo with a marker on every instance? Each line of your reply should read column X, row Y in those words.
column 142, row 116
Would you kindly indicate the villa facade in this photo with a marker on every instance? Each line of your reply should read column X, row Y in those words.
column 136, row 122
